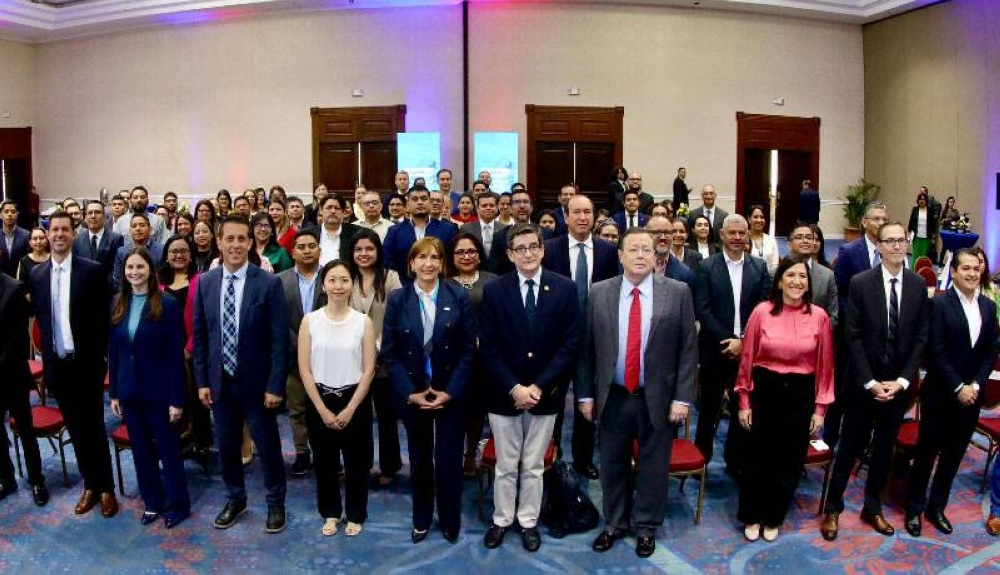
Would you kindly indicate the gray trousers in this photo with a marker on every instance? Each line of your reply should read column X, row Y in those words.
column 519, row 439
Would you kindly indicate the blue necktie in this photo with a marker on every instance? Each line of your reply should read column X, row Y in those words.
column 230, row 336
column 582, row 275
column 876, row 259
column 529, row 302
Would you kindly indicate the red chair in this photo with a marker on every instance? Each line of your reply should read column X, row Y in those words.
column 989, row 427
column 487, row 468
column 48, row 423
column 921, row 263
column 930, row 278
column 823, row 460
column 121, row 442
column 685, row 460
column 35, row 365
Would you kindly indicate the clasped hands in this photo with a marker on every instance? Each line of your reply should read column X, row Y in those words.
column 732, row 347
column 885, row 391
column 429, row 399
column 526, row 396
column 967, row 395
column 337, row 421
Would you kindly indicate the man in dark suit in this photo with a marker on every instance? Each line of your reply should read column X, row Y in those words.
column 886, row 329
column 97, row 242
column 402, row 184
column 640, row 356
column 303, row 289
column 403, row 235
column 15, row 387
column 963, row 326
column 139, row 230
column 72, row 308
column 716, row 215
column 333, row 232
column 824, row 285
column 499, row 261
column 585, row 259
column 808, row 203
column 240, row 362
column 14, row 244
column 486, row 226
column 646, row 201
column 631, row 217
column 530, row 332
column 681, row 190
column 664, row 263
column 562, row 212
column 730, row 284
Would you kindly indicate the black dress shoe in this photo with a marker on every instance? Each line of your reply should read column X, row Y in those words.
column 913, row 525
column 588, row 471
column 275, row 519
column 450, row 536
column 494, row 536
column 878, row 522
column 230, row 514
column 174, row 519
column 300, row 467
column 418, row 536
column 7, row 487
column 40, row 494
column 644, row 546
column 939, row 521
column 531, row 539
column 605, row 541
column 148, row 517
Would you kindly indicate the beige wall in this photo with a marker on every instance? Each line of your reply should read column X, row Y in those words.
column 17, row 84
column 932, row 99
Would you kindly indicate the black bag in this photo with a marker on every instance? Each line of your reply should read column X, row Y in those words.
column 566, row 507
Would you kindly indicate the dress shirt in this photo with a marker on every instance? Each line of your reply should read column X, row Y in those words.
column 9, row 240
column 241, row 281
column 704, row 250
column 921, row 223
column 521, row 279
column 380, row 227
column 329, row 245
column 588, row 251
column 59, row 283
column 736, row 279
column 872, row 249
column 624, row 307
column 710, row 214
column 420, row 231
column 307, row 289
column 975, row 319
column 631, row 220
column 887, row 286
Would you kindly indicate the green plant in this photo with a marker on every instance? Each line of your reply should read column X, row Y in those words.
column 858, row 197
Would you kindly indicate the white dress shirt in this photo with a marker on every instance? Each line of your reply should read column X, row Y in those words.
column 588, row 250
column 521, row 281
column 735, row 268
column 59, row 283
column 887, row 286
column 380, row 227
column 974, row 317
column 329, row 245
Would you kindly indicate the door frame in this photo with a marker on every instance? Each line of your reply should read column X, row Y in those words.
column 354, row 125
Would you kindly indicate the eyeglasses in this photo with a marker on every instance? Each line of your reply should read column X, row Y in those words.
column 894, row 242
column 262, row 227
column 179, row 251
column 466, row 253
column 801, row 238
column 370, row 203
column 661, row 232
column 521, row 202
column 535, row 249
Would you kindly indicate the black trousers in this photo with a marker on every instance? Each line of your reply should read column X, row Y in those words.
column 866, row 418
column 583, row 440
column 946, row 427
column 389, row 460
column 197, row 417
column 79, row 385
column 715, row 378
column 435, row 442
column 355, row 443
column 782, row 407
column 835, row 411
column 14, row 400
column 156, row 441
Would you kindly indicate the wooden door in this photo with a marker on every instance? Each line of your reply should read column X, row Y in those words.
column 594, row 162
column 15, row 155
column 757, row 177
column 554, row 170
column 793, row 167
column 378, row 165
column 338, row 167
column 340, row 135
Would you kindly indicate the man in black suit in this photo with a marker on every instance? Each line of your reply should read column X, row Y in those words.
column 585, row 259
column 521, row 209
column 808, row 203
column 96, row 242
column 886, row 332
column 681, row 190
column 486, row 226
column 14, row 243
column 530, row 332
column 15, row 386
column 646, row 200
column 963, row 326
column 334, row 234
column 562, row 212
column 72, row 307
column 730, row 284
column 708, row 208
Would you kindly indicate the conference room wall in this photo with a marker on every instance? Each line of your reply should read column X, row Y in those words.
column 932, row 101
column 17, row 84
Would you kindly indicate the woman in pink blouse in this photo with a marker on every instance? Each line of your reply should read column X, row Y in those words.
column 784, row 384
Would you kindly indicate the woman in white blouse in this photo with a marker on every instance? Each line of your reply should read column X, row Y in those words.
column 337, row 362
column 760, row 244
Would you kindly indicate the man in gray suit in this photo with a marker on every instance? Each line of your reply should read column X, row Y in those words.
column 714, row 213
column 637, row 382
column 824, row 284
column 303, row 289
column 487, row 226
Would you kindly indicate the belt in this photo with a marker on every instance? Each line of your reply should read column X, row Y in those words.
column 639, row 391
column 335, row 391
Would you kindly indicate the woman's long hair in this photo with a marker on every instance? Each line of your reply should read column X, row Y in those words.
column 378, row 283
column 166, row 272
column 124, row 298
column 777, row 296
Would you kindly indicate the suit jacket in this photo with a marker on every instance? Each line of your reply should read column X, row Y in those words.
column 19, row 249
column 824, row 291
column 616, row 190
column 714, row 300
column 403, row 235
column 719, row 216
column 118, row 273
column 622, row 220
column 290, row 286
column 557, row 258
column 952, row 358
column 852, row 259
column 544, row 353
column 476, row 228
column 107, row 249
column 560, row 217
column 89, row 313
column 262, row 359
column 453, row 344
column 692, row 257
column 809, row 206
column 868, row 328
column 499, row 262
column 681, row 193
column 670, row 357
column 150, row 366
column 14, row 312
column 932, row 223
column 677, row 271
column 347, row 233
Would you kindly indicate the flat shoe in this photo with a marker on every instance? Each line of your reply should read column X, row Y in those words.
column 417, row 536
column 353, row 529
column 752, row 532
column 769, row 533
column 330, row 527
column 148, row 517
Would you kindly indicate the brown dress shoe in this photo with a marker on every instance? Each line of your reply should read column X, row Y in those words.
column 830, row 526
column 109, row 505
column 993, row 525
column 878, row 522
column 87, row 502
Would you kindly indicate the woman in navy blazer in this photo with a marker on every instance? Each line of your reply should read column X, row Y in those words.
column 429, row 383
column 146, row 365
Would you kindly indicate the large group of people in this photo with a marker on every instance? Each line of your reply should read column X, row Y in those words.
column 452, row 312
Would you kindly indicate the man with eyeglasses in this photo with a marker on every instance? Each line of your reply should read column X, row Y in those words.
column 824, row 285
column 335, row 235
column 886, row 329
column 530, row 330
column 96, row 242
column 371, row 210
column 521, row 210
column 403, row 235
column 665, row 264
column 401, row 186
column 486, row 227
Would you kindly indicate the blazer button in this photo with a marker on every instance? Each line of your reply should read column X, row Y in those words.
column 531, row 354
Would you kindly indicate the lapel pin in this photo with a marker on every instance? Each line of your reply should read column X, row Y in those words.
column 447, row 309
column 545, row 288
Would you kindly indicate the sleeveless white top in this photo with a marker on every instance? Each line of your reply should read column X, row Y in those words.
column 335, row 346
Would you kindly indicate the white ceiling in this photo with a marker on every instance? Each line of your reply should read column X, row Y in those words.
column 39, row 21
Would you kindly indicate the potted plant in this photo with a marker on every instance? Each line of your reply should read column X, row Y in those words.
column 856, row 200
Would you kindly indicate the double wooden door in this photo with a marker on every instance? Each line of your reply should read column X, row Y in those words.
column 354, row 146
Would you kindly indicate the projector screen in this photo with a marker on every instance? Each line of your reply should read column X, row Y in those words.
column 419, row 154
column 496, row 152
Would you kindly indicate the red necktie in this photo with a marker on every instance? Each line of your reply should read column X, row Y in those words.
column 633, row 346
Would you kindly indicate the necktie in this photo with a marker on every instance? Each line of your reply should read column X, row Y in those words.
column 529, row 302
column 631, row 221
column 708, row 214
column 230, row 337
column 487, row 237
column 877, row 259
column 93, row 246
column 57, row 334
column 582, row 276
column 893, row 316
column 633, row 345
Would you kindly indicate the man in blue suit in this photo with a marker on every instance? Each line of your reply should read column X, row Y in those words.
column 403, row 235
column 585, row 259
column 561, row 214
column 140, row 230
column 530, row 332
column 15, row 239
column 808, row 203
column 97, row 242
column 631, row 217
column 241, row 355
column 499, row 261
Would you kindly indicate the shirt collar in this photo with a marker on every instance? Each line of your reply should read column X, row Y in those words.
column 963, row 299
column 66, row 265
column 421, row 293
column 302, row 277
column 589, row 242
column 645, row 286
column 240, row 273
column 886, row 276
column 521, row 278
column 730, row 262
